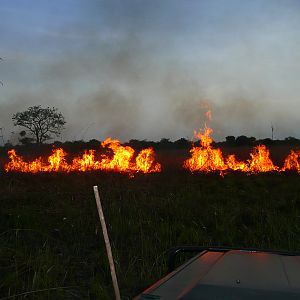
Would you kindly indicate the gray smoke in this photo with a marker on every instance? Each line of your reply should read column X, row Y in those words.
column 136, row 69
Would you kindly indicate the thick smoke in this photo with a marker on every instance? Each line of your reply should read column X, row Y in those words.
column 144, row 69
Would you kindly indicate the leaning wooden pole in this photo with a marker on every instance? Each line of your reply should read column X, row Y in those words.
column 107, row 244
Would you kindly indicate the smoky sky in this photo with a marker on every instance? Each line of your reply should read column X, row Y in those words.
column 150, row 69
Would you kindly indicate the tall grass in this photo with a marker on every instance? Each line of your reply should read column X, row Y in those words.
column 51, row 244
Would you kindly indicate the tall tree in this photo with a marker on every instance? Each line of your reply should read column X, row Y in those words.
column 42, row 123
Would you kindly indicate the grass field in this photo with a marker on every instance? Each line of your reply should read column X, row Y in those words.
column 51, row 244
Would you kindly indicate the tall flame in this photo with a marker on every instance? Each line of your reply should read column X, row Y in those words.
column 261, row 161
column 208, row 159
column 292, row 162
column 145, row 161
column 122, row 156
column 57, row 161
column 205, row 158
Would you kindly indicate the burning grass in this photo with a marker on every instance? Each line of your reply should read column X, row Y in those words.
column 207, row 159
column 121, row 160
column 50, row 235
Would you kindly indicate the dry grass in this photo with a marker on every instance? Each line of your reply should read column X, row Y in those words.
column 51, row 245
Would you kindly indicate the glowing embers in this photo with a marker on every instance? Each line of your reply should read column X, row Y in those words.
column 208, row 159
column 120, row 159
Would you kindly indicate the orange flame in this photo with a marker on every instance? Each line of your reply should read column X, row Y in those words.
column 57, row 161
column 85, row 163
column 144, row 161
column 119, row 158
column 292, row 162
column 208, row 159
column 261, row 161
column 17, row 163
column 205, row 158
column 122, row 156
column 121, row 161
column 235, row 165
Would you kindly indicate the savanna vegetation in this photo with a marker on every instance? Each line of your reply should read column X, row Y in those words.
column 51, row 244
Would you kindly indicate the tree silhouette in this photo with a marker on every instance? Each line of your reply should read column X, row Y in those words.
column 42, row 123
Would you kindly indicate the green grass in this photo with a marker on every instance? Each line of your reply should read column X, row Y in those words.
column 51, row 244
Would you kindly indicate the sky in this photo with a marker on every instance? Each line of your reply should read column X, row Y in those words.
column 150, row 69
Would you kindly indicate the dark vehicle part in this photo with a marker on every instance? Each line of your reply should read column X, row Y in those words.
column 229, row 273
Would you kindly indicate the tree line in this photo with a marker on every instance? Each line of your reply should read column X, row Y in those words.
column 42, row 124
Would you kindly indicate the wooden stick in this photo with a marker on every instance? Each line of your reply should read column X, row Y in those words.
column 107, row 244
